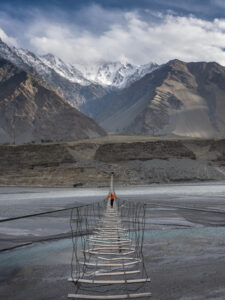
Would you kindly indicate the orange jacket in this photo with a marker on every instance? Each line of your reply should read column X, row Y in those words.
column 112, row 196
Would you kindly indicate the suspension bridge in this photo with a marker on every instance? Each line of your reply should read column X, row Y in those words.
column 108, row 263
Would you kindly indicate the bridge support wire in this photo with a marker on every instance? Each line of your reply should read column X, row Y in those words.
column 107, row 260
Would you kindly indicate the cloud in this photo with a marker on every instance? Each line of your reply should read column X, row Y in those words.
column 96, row 34
column 8, row 40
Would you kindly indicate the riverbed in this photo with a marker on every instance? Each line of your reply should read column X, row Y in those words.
column 184, row 244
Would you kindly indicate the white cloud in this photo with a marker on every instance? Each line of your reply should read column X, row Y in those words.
column 8, row 40
column 113, row 35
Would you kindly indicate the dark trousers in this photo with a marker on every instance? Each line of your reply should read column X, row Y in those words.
column 111, row 202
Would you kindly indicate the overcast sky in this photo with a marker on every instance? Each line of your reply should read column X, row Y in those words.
column 138, row 31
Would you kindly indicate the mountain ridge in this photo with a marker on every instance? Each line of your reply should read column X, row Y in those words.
column 173, row 99
column 69, row 81
column 116, row 74
column 177, row 99
column 73, row 92
column 31, row 111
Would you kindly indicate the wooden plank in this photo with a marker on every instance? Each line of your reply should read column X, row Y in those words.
column 111, row 218
column 117, row 273
column 111, row 248
column 114, row 234
column 110, row 265
column 108, row 242
column 109, row 238
column 102, row 244
column 107, row 253
column 113, row 237
column 102, row 232
column 111, row 225
column 112, row 231
column 109, row 297
column 99, row 234
column 116, row 258
column 122, row 281
column 109, row 213
column 110, row 228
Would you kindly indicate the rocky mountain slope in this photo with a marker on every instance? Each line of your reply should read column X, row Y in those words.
column 31, row 111
column 177, row 99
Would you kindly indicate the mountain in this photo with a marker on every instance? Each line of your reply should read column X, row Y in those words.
column 65, row 70
column 116, row 74
column 65, row 79
column 77, row 84
column 174, row 99
column 177, row 99
column 31, row 111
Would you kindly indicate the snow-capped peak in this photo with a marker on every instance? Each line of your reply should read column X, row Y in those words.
column 65, row 70
column 118, row 74
column 9, row 54
column 115, row 74
column 31, row 60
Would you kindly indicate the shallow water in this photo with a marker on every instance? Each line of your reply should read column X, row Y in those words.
column 37, row 254
column 41, row 254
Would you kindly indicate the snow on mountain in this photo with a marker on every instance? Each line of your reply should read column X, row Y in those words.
column 116, row 74
column 65, row 70
column 31, row 60
column 8, row 53
column 23, row 59
column 108, row 74
column 63, row 78
column 42, row 65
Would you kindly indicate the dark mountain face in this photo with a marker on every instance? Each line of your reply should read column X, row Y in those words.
column 178, row 99
column 31, row 111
